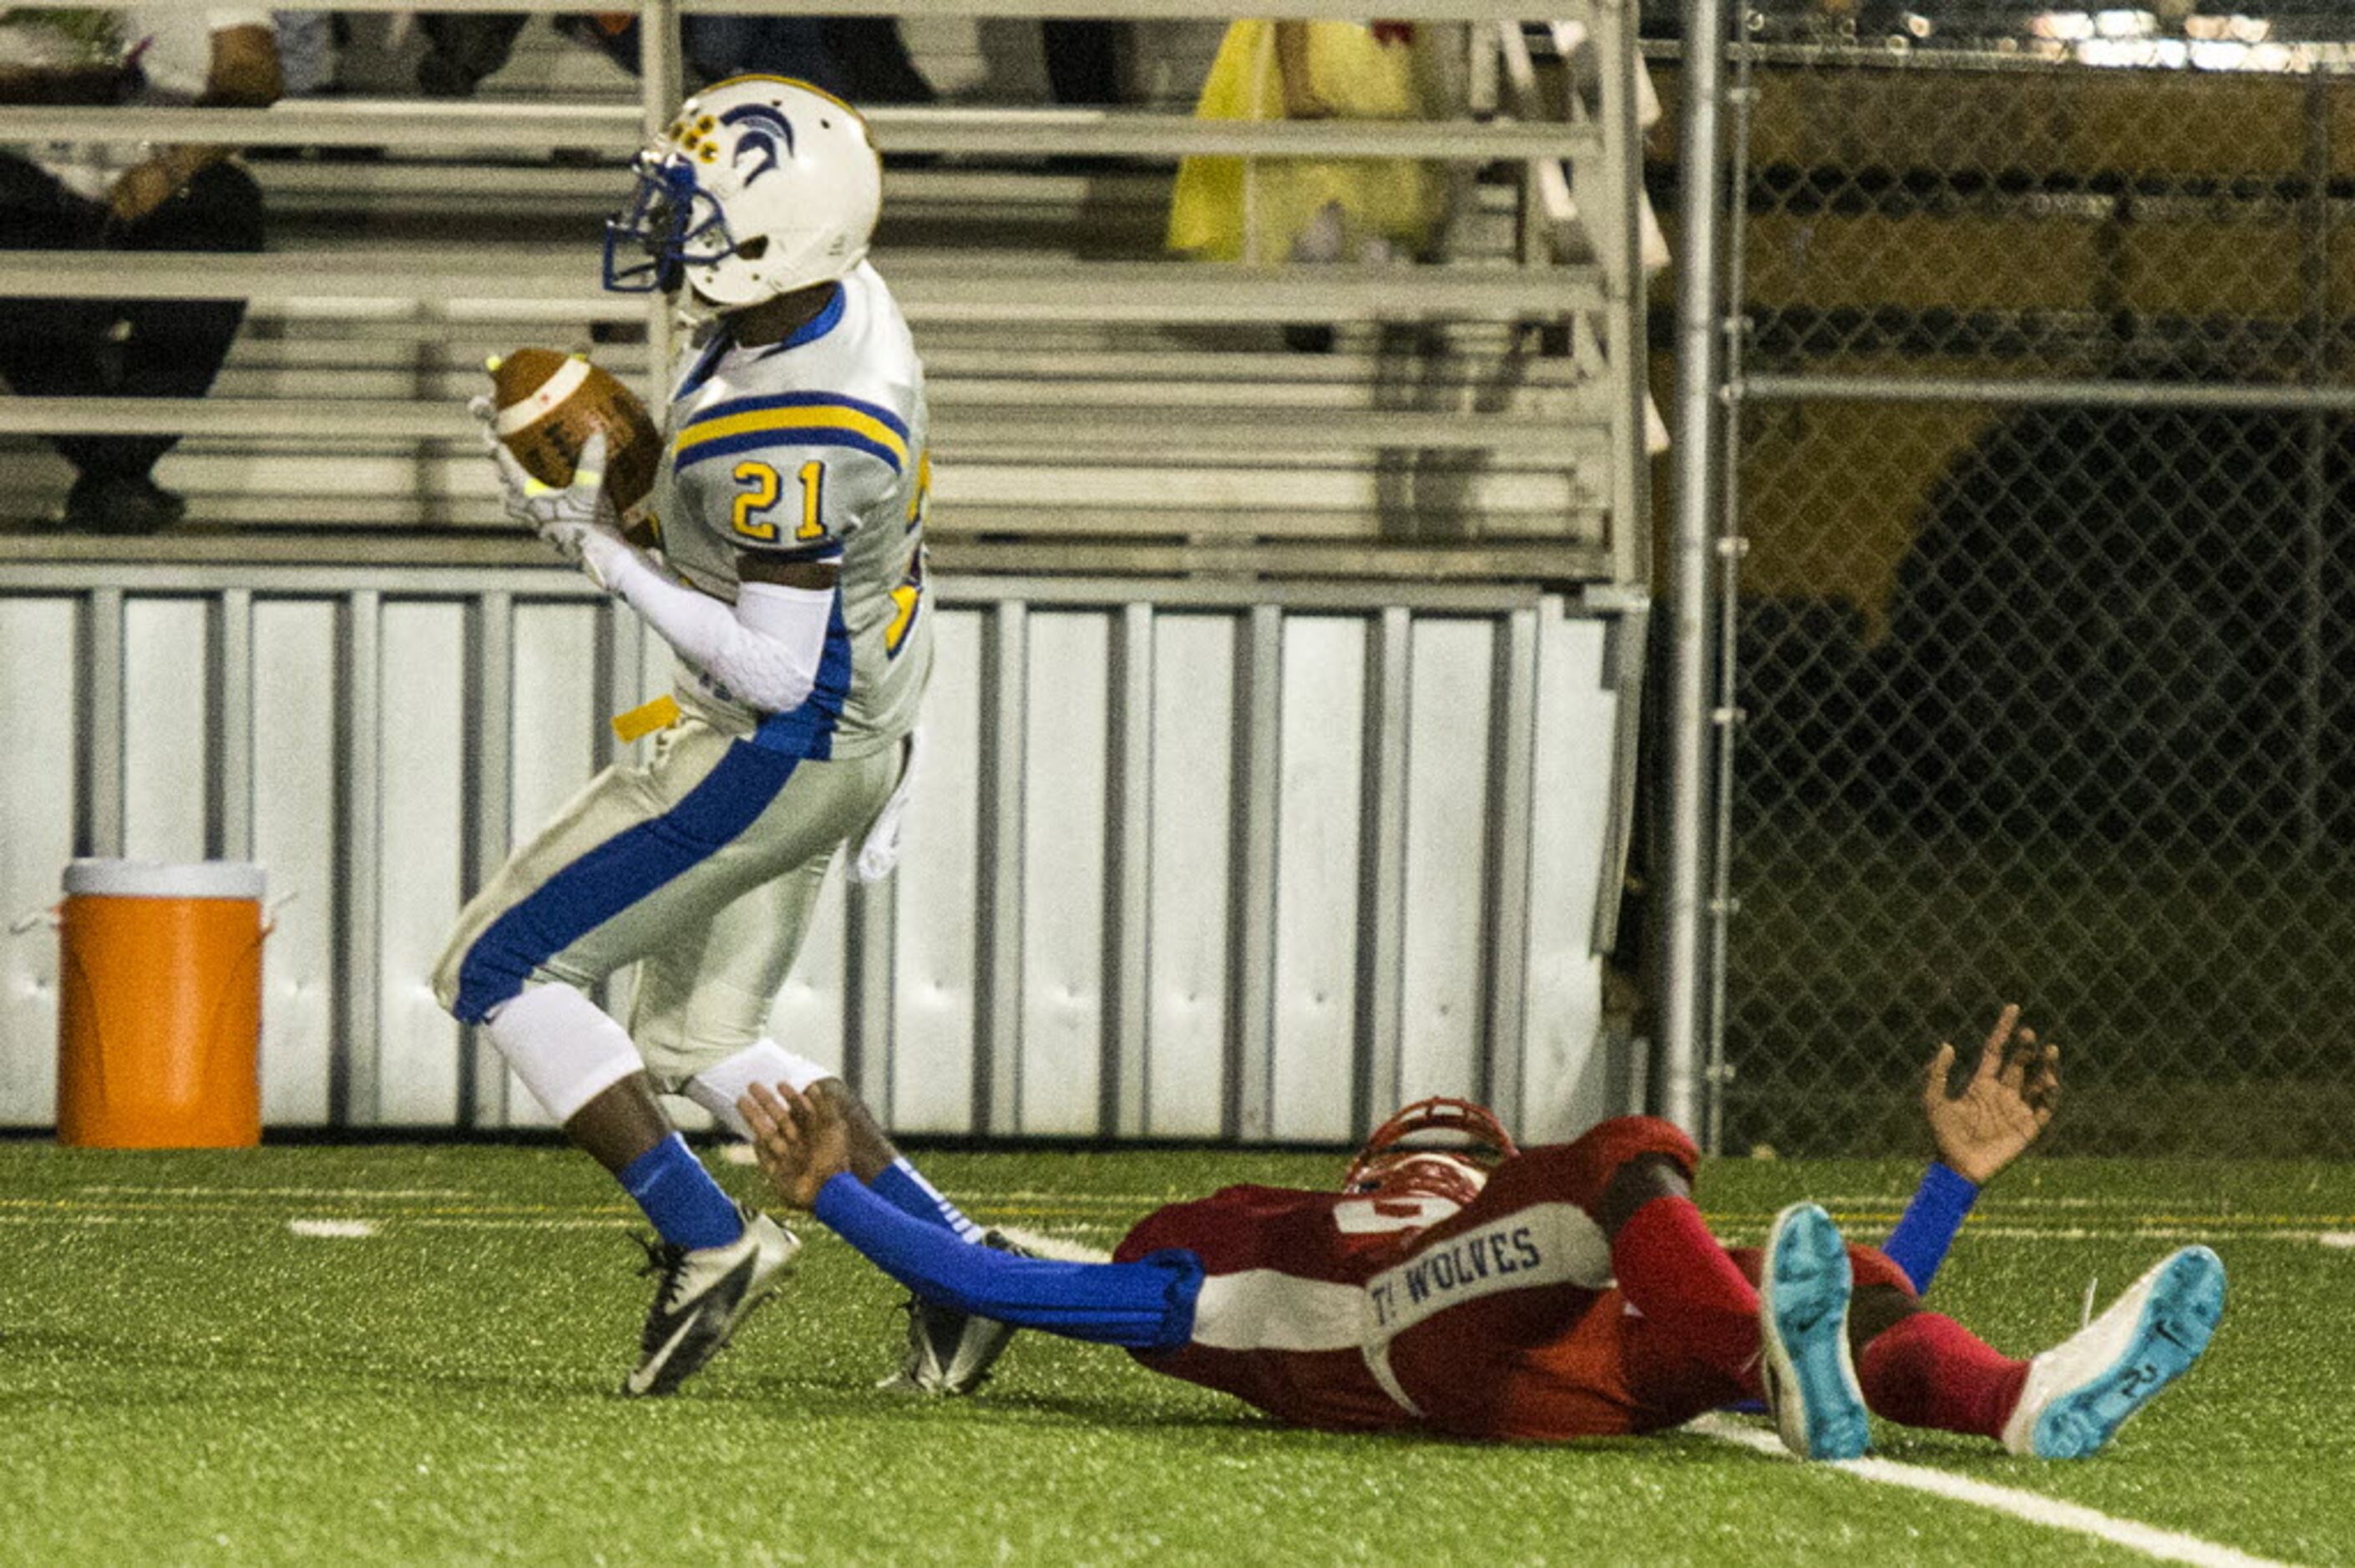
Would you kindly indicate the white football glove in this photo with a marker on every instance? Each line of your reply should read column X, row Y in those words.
column 578, row 519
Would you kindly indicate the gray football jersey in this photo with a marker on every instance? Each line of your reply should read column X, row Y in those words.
column 811, row 450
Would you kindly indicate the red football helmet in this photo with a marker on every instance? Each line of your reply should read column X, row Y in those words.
column 1455, row 1171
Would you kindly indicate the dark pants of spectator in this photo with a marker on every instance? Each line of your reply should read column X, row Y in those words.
column 1082, row 61
column 861, row 58
column 462, row 48
column 120, row 348
column 875, row 62
column 717, row 48
column 858, row 58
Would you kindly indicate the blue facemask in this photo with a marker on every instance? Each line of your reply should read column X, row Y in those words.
column 672, row 223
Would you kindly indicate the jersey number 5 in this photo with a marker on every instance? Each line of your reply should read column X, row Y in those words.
column 759, row 497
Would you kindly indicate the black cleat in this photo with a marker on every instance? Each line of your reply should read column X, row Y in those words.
column 704, row 1294
column 949, row 1352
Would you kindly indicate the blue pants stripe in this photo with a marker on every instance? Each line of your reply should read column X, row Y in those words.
column 625, row 868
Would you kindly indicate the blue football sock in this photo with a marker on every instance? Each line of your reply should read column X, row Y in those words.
column 679, row 1196
column 900, row 1185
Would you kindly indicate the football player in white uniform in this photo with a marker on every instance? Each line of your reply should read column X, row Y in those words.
column 789, row 508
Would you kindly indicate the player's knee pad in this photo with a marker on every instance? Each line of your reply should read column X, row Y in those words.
column 565, row 1048
column 718, row 1088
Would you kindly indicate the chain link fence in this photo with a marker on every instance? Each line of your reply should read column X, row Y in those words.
column 2046, row 623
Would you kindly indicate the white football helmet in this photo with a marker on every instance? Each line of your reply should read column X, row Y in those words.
column 761, row 185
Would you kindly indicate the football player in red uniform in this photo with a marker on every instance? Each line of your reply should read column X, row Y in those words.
column 1476, row 1289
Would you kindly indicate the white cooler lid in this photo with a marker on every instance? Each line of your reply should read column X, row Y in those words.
column 163, row 879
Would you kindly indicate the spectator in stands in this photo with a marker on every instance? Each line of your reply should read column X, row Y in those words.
column 1309, row 210
column 861, row 58
column 875, row 65
column 1082, row 60
column 91, row 197
column 1083, row 70
column 306, row 52
column 462, row 48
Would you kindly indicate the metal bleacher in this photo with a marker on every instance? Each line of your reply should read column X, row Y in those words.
column 1098, row 407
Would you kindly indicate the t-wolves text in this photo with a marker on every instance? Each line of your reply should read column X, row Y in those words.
column 1467, row 1259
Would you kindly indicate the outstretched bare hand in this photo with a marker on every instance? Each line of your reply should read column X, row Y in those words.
column 801, row 1141
column 2004, row 1104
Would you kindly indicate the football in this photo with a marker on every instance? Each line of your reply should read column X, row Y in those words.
column 548, row 403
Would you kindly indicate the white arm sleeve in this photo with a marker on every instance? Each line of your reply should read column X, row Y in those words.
column 766, row 650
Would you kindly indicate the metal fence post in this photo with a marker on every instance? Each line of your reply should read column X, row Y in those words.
column 661, row 85
column 1699, row 313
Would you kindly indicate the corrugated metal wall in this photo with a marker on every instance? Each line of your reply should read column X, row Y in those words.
column 1248, row 862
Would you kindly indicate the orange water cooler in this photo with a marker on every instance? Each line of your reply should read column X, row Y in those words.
column 159, row 1007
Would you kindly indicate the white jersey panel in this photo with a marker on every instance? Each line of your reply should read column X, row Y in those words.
column 812, row 449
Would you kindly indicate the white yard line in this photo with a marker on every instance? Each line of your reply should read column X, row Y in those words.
column 2166, row 1545
column 334, row 1230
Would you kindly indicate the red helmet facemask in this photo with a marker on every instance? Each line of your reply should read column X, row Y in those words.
column 1455, row 1171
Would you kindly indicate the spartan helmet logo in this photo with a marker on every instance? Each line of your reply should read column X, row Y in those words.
column 761, row 131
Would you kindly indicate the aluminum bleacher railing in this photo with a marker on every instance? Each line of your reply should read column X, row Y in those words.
column 1093, row 132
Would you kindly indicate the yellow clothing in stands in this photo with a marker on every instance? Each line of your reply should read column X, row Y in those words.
column 1252, row 209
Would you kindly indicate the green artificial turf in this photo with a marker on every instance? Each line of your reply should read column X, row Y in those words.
column 183, row 1378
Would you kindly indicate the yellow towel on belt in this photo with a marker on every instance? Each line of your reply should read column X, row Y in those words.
column 645, row 719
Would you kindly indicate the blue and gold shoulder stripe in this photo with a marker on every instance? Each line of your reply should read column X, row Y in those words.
column 794, row 419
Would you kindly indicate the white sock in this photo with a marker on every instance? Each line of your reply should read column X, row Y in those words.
column 717, row 1088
